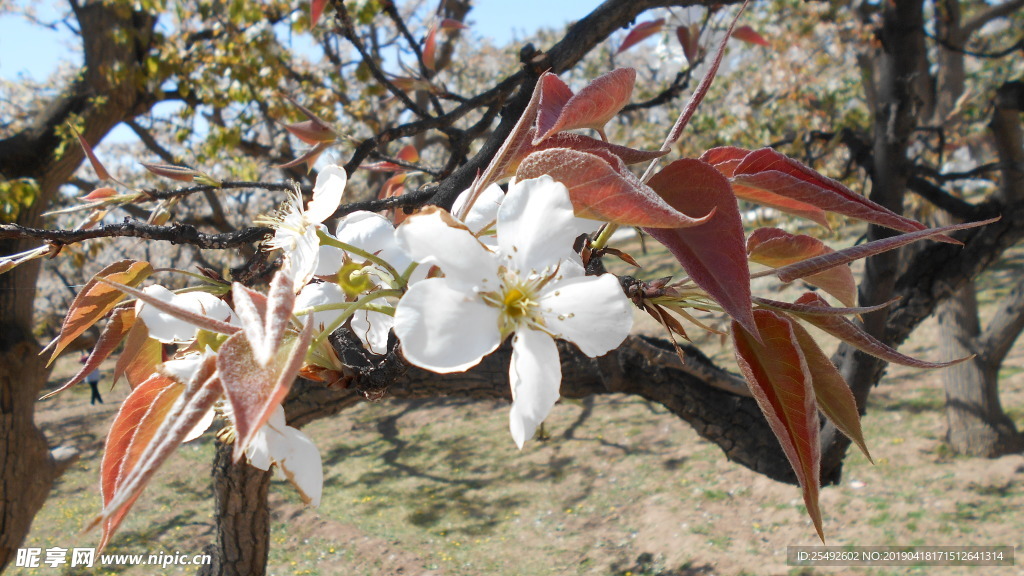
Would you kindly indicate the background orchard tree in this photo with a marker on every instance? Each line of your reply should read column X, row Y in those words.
column 226, row 70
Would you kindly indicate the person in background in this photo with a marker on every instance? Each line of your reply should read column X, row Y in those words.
column 94, row 382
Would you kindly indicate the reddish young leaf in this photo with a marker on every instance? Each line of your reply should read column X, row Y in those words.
column 451, row 24
column 120, row 323
column 776, row 248
column 824, row 262
column 179, row 173
column 99, row 194
column 316, row 9
column 309, row 158
column 689, row 39
column 581, row 143
column 97, row 166
column 408, row 154
column 140, row 358
column 97, row 299
column 430, row 48
column 171, row 416
column 725, row 159
column 851, row 333
column 594, row 105
column 702, row 89
column 748, row 35
column 133, row 429
column 311, row 132
column 713, row 253
column 775, row 173
column 780, row 381
column 639, row 33
column 601, row 188
column 506, row 153
column 253, row 389
column 831, row 392
column 815, row 310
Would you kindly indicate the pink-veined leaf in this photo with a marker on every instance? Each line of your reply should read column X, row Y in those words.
column 775, row 173
column 702, row 89
column 97, row 299
column 594, row 105
column 713, row 254
column 172, row 415
column 135, row 425
column 253, row 389
column 430, row 48
column 316, row 10
column 831, row 392
column 140, row 358
column 825, row 262
column 780, row 381
column 775, row 248
column 97, row 166
column 601, row 188
column 849, row 332
column 748, row 35
column 121, row 321
column 409, row 84
column 264, row 319
column 554, row 94
column 725, row 159
column 639, row 33
column 689, row 39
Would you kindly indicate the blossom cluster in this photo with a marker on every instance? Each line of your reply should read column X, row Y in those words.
column 451, row 290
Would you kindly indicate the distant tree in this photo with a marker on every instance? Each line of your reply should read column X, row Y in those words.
column 239, row 90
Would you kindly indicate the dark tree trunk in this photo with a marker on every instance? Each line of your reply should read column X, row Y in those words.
column 115, row 37
column 243, row 518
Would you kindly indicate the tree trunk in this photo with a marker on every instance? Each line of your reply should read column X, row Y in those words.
column 114, row 36
column 977, row 424
column 243, row 519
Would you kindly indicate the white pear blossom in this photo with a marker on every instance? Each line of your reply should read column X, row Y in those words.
column 170, row 330
column 296, row 456
column 532, row 286
column 295, row 229
column 355, row 276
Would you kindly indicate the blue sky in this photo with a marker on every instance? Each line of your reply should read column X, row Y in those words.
column 32, row 51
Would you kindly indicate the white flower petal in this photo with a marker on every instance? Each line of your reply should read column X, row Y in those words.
column 301, row 262
column 300, row 461
column 168, row 329
column 258, row 450
column 535, row 376
column 536, row 224
column 319, row 295
column 445, row 329
column 435, row 238
column 327, row 193
column 372, row 329
column 202, row 426
column 590, row 311
column 329, row 261
column 368, row 231
column 484, row 211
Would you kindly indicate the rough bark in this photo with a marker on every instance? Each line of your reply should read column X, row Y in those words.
column 898, row 63
column 977, row 424
column 243, row 519
column 26, row 467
